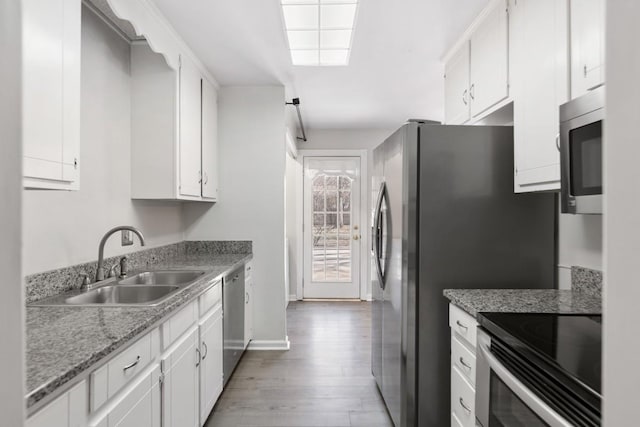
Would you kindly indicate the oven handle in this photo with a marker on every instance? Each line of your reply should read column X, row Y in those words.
column 536, row 404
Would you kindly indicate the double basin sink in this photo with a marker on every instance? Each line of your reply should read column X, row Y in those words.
column 148, row 288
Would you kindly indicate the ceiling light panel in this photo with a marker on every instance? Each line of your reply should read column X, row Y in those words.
column 308, row 39
column 337, row 16
column 320, row 32
column 335, row 39
column 301, row 17
column 334, row 57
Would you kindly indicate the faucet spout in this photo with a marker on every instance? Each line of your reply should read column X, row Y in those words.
column 100, row 271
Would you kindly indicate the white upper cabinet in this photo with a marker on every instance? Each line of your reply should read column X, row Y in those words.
column 190, row 153
column 209, row 141
column 477, row 68
column 456, row 87
column 490, row 60
column 587, row 45
column 539, row 47
column 174, row 129
column 51, row 93
column 174, row 112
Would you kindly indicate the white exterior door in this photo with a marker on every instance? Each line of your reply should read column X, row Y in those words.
column 332, row 230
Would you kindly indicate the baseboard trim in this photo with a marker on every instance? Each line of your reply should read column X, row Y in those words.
column 293, row 297
column 278, row 345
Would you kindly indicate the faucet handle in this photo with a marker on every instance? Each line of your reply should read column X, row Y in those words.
column 124, row 267
column 86, row 281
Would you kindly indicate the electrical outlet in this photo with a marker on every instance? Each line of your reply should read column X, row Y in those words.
column 127, row 240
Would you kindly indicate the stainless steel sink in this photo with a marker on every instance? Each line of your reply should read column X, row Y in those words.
column 147, row 288
column 170, row 277
column 123, row 295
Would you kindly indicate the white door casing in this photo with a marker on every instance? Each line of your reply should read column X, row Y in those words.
column 331, row 227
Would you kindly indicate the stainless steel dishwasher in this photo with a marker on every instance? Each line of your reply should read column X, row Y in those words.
column 233, row 320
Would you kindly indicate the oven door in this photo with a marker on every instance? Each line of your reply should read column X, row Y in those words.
column 581, row 163
column 502, row 400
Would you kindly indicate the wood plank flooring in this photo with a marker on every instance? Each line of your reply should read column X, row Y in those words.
column 323, row 380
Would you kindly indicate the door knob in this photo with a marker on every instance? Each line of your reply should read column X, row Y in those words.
column 356, row 237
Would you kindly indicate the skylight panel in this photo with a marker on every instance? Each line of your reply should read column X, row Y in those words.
column 320, row 32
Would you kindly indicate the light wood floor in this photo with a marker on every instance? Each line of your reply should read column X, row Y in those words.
column 324, row 380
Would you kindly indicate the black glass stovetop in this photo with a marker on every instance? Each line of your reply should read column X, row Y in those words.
column 571, row 343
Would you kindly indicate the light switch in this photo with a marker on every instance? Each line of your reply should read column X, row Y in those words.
column 127, row 240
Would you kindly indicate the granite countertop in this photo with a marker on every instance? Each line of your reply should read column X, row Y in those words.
column 475, row 301
column 65, row 342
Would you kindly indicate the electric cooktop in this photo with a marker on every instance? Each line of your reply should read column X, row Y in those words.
column 568, row 344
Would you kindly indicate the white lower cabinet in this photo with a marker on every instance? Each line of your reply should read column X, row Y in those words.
column 463, row 367
column 68, row 410
column 210, row 329
column 138, row 407
column 248, row 304
column 169, row 377
column 180, row 397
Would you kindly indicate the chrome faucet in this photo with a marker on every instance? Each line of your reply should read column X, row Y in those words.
column 100, row 271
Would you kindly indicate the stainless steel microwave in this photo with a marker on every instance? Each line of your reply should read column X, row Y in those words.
column 581, row 153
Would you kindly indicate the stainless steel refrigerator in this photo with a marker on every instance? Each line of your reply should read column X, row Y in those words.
column 445, row 216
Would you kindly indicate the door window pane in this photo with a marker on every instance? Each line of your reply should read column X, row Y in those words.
column 331, row 219
column 332, row 201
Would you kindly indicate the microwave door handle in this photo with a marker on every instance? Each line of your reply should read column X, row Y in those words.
column 536, row 404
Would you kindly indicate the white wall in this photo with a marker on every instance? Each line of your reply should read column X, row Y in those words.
column 621, row 377
column 579, row 243
column 64, row 228
column 12, row 386
column 333, row 139
column 252, row 176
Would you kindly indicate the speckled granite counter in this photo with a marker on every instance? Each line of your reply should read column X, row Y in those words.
column 64, row 342
column 475, row 301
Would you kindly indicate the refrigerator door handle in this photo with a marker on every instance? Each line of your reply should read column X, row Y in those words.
column 377, row 233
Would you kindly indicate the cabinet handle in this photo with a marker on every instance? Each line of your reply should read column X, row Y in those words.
column 464, row 363
column 247, row 297
column 585, row 70
column 558, row 142
column 465, row 407
column 465, row 327
column 199, row 357
column 206, row 178
column 199, row 177
column 126, row 368
column 472, row 91
column 206, row 350
column 464, row 97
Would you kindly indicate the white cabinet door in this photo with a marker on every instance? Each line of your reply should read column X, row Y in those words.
column 209, row 141
column 539, row 76
column 248, row 310
column 489, row 60
column 211, row 364
column 180, row 396
column 51, row 93
column 190, row 145
column 138, row 407
column 456, row 87
column 69, row 410
column 587, row 45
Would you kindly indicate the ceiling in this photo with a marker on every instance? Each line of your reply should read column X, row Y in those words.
column 395, row 71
